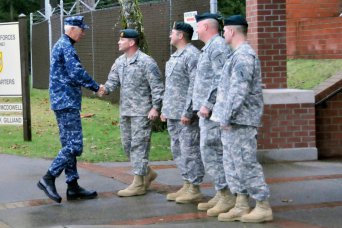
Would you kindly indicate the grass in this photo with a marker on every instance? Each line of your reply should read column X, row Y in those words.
column 308, row 73
column 101, row 132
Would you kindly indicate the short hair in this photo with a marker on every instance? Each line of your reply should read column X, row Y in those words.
column 136, row 40
column 69, row 27
column 186, row 29
column 241, row 29
column 213, row 23
column 187, row 36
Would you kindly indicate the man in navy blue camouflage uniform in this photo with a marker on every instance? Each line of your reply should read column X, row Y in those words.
column 67, row 76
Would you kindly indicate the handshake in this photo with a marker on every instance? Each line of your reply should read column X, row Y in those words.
column 101, row 91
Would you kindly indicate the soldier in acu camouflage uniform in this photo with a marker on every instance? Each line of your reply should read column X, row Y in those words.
column 209, row 67
column 238, row 109
column 140, row 102
column 67, row 76
column 182, row 122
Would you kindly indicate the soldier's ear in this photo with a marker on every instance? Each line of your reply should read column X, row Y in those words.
column 181, row 35
column 131, row 42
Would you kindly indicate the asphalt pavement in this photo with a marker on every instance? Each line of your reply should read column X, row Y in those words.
column 303, row 194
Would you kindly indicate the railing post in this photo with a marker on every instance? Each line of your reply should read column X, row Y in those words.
column 25, row 81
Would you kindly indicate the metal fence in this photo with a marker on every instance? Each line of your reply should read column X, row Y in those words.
column 98, row 49
column 75, row 8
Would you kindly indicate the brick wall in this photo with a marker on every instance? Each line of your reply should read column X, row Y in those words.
column 267, row 35
column 298, row 9
column 329, row 127
column 287, row 126
column 329, row 117
column 313, row 29
column 288, row 130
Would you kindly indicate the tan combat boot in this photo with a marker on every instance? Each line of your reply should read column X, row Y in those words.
column 135, row 189
column 241, row 208
column 261, row 213
column 211, row 203
column 174, row 195
column 150, row 176
column 226, row 202
column 193, row 194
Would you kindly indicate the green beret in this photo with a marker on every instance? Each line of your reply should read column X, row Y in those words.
column 205, row 16
column 129, row 33
column 184, row 27
column 235, row 20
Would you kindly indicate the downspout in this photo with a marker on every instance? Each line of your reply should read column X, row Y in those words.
column 213, row 6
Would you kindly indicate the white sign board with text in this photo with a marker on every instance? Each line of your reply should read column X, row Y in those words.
column 14, row 107
column 189, row 17
column 11, row 120
column 10, row 68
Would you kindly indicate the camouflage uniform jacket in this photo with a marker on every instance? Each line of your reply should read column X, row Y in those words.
column 67, row 76
column 209, row 66
column 239, row 97
column 180, row 74
column 140, row 81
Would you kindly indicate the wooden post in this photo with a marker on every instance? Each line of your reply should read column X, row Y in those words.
column 25, row 80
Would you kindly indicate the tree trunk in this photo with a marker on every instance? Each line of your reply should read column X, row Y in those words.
column 131, row 17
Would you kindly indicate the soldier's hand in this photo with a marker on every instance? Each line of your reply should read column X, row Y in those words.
column 101, row 91
column 226, row 127
column 153, row 114
column 204, row 112
column 185, row 120
column 163, row 118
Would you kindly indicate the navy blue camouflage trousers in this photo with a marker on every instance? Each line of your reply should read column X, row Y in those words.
column 70, row 133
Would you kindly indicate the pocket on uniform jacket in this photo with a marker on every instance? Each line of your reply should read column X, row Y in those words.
column 130, row 78
column 170, row 66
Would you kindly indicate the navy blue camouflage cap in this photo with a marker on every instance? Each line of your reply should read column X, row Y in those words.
column 129, row 33
column 205, row 16
column 235, row 20
column 184, row 27
column 76, row 21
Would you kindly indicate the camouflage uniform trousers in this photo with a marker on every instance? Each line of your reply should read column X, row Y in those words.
column 70, row 132
column 185, row 147
column 212, row 151
column 244, row 174
column 136, row 139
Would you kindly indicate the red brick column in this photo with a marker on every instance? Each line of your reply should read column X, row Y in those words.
column 267, row 35
column 288, row 131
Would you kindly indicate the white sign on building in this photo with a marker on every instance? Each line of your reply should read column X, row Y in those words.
column 189, row 17
column 10, row 68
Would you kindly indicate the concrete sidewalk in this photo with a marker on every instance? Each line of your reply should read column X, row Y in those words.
column 304, row 194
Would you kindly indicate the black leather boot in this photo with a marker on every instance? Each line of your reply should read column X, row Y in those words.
column 75, row 192
column 47, row 184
